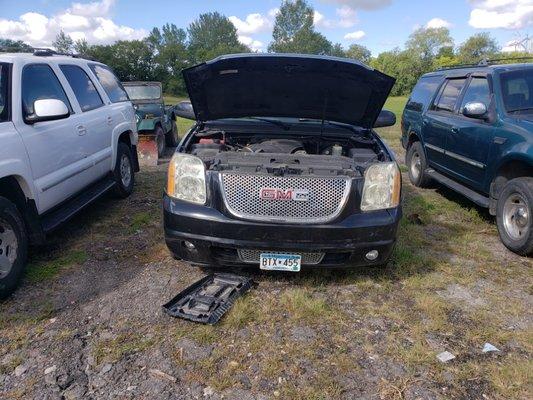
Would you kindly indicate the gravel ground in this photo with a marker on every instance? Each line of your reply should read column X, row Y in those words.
column 87, row 322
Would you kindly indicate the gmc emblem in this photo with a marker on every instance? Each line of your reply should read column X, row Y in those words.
column 284, row 194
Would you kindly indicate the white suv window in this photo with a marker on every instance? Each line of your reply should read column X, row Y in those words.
column 112, row 86
column 40, row 82
column 4, row 93
column 83, row 87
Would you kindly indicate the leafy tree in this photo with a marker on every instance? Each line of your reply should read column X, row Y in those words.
column 477, row 47
column 81, row 46
column 63, row 42
column 294, row 32
column 212, row 35
column 293, row 17
column 15, row 46
column 406, row 66
column 427, row 42
column 359, row 52
column 170, row 56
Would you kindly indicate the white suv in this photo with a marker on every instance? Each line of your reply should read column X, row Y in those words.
column 67, row 135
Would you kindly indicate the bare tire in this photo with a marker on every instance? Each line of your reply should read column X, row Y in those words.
column 417, row 165
column 514, row 215
column 124, row 173
column 172, row 134
column 13, row 247
column 160, row 141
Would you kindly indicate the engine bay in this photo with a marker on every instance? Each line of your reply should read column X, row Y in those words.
column 286, row 153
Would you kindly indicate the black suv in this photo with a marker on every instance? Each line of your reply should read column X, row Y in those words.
column 471, row 129
column 283, row 168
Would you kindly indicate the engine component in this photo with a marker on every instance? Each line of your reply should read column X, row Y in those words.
column 280, row 146
column 336, row 150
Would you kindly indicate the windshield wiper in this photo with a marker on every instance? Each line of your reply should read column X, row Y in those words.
column 339, row 124
column 272, row 121
column 520, row 109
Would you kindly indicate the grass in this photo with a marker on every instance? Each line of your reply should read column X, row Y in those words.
column 378, row 330
column 45, row 269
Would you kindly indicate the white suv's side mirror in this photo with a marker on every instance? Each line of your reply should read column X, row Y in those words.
column 475, row 109
column 48, row 110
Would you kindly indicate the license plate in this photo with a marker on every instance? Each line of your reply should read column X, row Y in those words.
column 280, row 262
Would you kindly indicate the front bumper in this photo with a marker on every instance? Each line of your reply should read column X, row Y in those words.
column 217, row 237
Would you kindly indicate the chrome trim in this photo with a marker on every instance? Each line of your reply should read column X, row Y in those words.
column 465, row 159
column 437, row 149
column 456, row 156
column 285, row 219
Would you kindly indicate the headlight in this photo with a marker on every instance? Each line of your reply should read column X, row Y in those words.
column 382, row 187
column 186, row 178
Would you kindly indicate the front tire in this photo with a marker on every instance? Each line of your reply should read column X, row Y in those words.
column 417, row 165
column 172, row 135
column 124, row 173
column 13, row 247
column 514, row 216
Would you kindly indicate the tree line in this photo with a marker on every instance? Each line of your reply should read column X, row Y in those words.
column 167, row 50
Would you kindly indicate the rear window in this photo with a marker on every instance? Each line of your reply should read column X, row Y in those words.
column 83, row 87
column 517, row 90
column 112, row 86
column 449, row 95
column 423, row 93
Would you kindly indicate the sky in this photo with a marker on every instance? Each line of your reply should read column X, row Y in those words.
column 380, row 25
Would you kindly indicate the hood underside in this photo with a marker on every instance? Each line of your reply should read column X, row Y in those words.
column 287, row 85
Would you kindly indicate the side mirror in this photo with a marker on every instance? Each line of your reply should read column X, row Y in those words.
column 47, row 110
column 475, row 109
column 385, row 118
column 184, row 109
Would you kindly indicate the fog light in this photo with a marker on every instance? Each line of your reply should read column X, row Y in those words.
column 189, row 245
column 372, row 255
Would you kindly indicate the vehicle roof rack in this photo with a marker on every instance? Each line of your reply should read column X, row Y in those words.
column 485, row 62
column 46, row 52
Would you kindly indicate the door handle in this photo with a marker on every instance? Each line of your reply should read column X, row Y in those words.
column 81, row 130
column 109, row 120
column 455, row 130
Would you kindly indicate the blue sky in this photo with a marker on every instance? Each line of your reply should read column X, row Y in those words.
column 377, row 24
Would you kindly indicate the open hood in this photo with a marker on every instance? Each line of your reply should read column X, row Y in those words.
column 287, row 85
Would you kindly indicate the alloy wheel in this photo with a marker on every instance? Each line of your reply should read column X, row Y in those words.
column 8, row 248
column 516, row 216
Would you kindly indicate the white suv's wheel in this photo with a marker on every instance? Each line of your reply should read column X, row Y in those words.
column 13, row 247
column 124, row 173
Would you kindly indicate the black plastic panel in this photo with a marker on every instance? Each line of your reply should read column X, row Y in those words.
column 207, row 300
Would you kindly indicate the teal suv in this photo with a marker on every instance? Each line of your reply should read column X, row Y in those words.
column 471, row 129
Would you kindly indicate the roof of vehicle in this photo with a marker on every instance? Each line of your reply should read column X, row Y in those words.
column 25, row 57
column 468, row 69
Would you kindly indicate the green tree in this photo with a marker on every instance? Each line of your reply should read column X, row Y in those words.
column 63, row 42
column 477, row 47
column 359, row 52
column 15, row 46
column 294, row 33
column 211, row 35
column 170, row 56
column 81, row 46
column 406, row 66
column 293, row 17
column 427, row 42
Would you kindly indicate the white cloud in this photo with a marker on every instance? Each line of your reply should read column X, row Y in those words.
column 438, row 23
column 346, row 18
column 507, row 14
column 88, row 21
column 362, row 4
column 253, row 23
column 354, row 36
column 253, row 44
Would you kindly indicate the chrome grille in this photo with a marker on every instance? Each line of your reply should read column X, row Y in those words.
column 252, row 256
column 326, row 198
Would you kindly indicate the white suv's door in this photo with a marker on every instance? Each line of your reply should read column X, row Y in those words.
column 58, row 155
column 119, row 112
column 96, row 118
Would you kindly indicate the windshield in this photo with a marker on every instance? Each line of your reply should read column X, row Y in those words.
column 143, row 92
column 517, row 90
